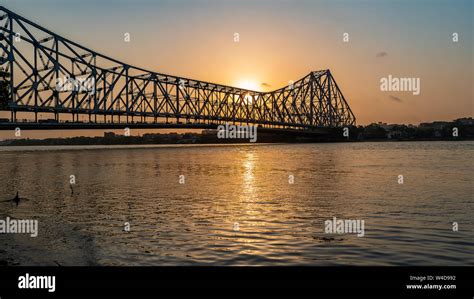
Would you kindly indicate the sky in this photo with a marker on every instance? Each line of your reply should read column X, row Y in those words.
column 281, row 41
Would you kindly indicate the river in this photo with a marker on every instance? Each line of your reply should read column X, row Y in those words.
column 240, row 204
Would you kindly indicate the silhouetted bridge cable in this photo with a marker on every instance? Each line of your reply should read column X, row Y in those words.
column 42, row 72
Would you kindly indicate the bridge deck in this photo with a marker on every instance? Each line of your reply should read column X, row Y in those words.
column 113, row 126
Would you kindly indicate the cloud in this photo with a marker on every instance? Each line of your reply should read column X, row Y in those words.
column 381, row 54
column 397, row 99
column 265, row 84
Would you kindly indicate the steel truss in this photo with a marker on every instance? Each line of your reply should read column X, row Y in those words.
column 33, row 59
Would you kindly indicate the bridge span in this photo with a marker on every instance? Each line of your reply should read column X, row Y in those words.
column 59, row 84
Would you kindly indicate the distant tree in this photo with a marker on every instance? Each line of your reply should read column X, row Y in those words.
column 374, row 131
column 424, row 132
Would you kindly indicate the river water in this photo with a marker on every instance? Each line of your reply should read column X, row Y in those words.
column 240, row 204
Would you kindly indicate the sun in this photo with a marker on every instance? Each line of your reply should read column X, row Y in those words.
column 248, row 99
column 248, row 84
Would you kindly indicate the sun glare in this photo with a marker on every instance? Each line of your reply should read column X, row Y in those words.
column 248, row 99
column 248, row 84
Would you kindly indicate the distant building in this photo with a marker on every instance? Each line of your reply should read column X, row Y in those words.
column 386, row 126
column 467, row 121
column 394, row 134
column 109, row 134
column 436, row 125
column 209, row 132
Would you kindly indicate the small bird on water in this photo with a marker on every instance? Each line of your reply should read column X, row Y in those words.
column 16, row 199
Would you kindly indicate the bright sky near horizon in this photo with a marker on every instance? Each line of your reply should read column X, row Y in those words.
column 279, row 41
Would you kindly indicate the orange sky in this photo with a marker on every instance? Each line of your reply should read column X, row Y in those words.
column 285, row 40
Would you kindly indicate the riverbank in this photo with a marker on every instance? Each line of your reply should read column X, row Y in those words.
column 191, row 138
column 457, row 130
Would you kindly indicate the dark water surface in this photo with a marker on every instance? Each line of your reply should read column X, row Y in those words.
column 278, row 223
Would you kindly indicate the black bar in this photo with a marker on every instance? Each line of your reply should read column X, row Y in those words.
column 221, row 282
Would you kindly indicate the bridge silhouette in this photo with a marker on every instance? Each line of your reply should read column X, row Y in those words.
column 44, row 73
